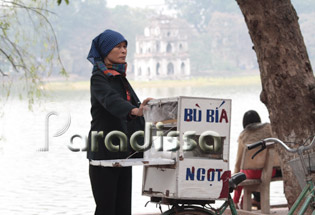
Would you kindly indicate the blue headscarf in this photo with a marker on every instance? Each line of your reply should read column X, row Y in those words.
column 103, row 44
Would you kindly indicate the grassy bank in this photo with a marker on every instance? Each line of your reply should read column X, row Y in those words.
column 193, row 82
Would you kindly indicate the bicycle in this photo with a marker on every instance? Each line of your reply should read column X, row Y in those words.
column 191, row 207
column 308, row 193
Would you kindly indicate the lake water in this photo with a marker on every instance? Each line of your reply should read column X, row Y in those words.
column 56, row 181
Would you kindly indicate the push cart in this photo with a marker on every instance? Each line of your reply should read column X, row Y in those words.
column 186, row 154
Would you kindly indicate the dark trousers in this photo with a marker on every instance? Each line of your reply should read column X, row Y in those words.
column 111, row 188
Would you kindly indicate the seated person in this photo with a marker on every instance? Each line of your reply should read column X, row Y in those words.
column 253, row 131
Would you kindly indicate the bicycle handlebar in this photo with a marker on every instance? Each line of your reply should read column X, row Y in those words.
column 270, row 141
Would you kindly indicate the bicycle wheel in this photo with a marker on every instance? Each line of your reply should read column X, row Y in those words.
column 189, row 210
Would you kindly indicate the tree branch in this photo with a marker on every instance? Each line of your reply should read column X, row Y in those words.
column 10, row 59
column 23, row 6
column 2, row 73
column 15, row 47
column 38, row 11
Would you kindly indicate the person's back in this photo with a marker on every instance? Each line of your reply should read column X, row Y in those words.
column 253, row 131
column 251, row 134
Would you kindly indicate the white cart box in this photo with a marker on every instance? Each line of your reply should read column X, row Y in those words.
column 179, row 124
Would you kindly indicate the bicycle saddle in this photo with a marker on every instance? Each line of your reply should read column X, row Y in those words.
column 236, row 179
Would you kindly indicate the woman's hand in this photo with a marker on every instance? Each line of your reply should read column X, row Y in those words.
column 139, row 111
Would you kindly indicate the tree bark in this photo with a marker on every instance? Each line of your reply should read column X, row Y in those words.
column 288, row 84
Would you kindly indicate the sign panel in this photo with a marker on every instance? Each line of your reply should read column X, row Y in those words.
column 209, row 120
column 203, row 179
column 204, row 126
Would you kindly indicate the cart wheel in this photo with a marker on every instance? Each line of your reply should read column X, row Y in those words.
column 188, row 210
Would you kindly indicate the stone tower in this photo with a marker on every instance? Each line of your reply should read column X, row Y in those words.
column 162, row 52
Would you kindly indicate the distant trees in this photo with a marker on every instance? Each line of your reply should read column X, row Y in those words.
column 199, row 12
column 219, row 45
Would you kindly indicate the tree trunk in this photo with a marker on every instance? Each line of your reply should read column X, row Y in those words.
column 288, row 84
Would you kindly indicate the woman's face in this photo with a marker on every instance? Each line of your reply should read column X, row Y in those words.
column 117, row 55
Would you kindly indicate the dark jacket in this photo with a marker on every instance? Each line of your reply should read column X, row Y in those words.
column 110, row 111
